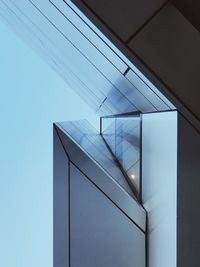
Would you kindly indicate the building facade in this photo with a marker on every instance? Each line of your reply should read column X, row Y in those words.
column 128, row 194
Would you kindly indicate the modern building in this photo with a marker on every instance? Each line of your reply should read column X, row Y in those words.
column 128, row 194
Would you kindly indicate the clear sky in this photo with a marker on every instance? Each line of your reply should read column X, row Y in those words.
column 32, row 97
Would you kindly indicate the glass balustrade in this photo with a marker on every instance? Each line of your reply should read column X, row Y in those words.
column 122, row 133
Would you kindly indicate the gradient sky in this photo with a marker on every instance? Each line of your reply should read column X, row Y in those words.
column 32, row 97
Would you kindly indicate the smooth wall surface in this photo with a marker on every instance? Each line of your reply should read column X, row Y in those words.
column 159, row 162
column 124, row 17
column 188, row 194
column 169, row 45
column 101, row 235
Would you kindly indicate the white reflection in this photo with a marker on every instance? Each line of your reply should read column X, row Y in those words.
column 132, row 176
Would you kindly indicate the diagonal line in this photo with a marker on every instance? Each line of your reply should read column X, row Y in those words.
column 146, row 22
column 60, row 139
column 134, row 190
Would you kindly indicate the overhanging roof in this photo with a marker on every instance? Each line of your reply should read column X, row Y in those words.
column 83, row 56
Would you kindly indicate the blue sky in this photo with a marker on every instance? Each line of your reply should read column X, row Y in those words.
column 32, row 97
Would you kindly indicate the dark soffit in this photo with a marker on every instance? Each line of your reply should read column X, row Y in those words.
column 190, row 9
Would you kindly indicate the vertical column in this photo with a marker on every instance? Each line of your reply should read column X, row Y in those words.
column 159, row 163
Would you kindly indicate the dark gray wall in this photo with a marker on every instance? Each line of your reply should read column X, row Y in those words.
column 169, row 45
column 188, row 211
column 190, row 9
column 125, row 17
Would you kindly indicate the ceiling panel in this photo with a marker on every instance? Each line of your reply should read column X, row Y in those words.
column 125, row 17
column 169, row 45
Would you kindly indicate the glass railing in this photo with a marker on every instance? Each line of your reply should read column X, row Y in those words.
column 122, row 133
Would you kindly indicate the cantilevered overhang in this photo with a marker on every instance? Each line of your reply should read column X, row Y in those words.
column 87, row 60
column 160, row 40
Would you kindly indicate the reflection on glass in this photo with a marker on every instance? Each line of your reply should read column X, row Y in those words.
column 122, row 134
column 89, row 139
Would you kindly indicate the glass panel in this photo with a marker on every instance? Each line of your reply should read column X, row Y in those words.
column 122, row 134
